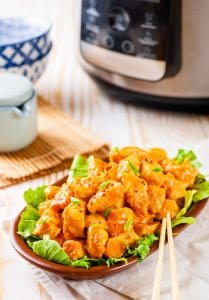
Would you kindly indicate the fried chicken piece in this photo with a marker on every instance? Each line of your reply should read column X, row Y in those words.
column 169, row 206
column 110, row 196
column 50, row 191
column 74, row 249
column 49, row 223
column 85, row 187
column 149, row 174
column 157, row 198
column 116, row 156
column 111, row 171
column 142, row 218
column 128, row 166
column 117, row 220
column 43, row 206
column 97, row 238
column 96, row 166
column 156, row 155
column 116, row 246
column 74, row 220
column 136, row 192
column 61, row 198
column 183, row 172
column 130, row 237
column 145, row 229
column 174, row 188
column 95, row 219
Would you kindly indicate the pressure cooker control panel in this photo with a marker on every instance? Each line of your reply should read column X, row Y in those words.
column 136, row 28
column 133, row 29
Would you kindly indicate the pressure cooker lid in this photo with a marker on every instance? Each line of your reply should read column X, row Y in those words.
column 15, row 89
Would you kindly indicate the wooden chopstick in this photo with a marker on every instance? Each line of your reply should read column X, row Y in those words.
column 166, row 223
column 174, row 276
column 159, row 268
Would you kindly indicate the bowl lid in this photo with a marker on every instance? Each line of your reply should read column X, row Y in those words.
column 21, row 29
column 15, row 89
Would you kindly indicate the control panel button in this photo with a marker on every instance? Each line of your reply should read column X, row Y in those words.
column 92, row 27
column 133, row 28
column 91, row 38
column 92, row 9
column 91, row 18
column 119, row 19
column 147, row 52
column 127, row 46
column 150, row 18
column 108, row 41
column 148, row 37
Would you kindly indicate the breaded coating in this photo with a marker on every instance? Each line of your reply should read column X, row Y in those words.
column 74, row 220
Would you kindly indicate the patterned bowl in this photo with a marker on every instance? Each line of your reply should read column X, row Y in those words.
column 24, row 45
column 33, row 70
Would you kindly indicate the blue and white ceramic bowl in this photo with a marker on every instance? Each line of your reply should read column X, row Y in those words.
column 24, row 45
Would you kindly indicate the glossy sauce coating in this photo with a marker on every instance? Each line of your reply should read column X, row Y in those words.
column 116, row 204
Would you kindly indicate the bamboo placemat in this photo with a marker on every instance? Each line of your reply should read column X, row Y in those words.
column 59, row 139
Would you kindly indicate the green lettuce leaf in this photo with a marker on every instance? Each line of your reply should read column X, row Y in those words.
column 187, row 203
column 112, row 261
column 86, row 262
column 202, row 191
column 182, row 154
column 35, row 197
column 200, row 178
column 114, row 149
column 143, row 247
column 51, row 250
column 83, row 262
column 79, row 167
column 27, row 223
column 182, row 220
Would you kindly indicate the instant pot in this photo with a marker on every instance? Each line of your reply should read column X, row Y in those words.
column 147, row 49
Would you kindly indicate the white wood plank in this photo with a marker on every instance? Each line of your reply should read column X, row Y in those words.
column 66, row 85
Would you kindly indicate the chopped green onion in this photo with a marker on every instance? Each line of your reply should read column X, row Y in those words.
column 157, row 169
column 75, row 200
column 114, row 149
column 136, row 171
column 107, row 212
column 104, row 184
column 128, row 223
column 95, row 224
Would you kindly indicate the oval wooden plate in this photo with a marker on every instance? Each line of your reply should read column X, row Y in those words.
column 81, row 273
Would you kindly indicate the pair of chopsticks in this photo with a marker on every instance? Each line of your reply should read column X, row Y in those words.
column 166, row 224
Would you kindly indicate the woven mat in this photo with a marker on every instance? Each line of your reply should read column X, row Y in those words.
column 59, row 139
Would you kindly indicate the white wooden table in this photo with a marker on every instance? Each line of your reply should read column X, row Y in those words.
column 64, row 84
